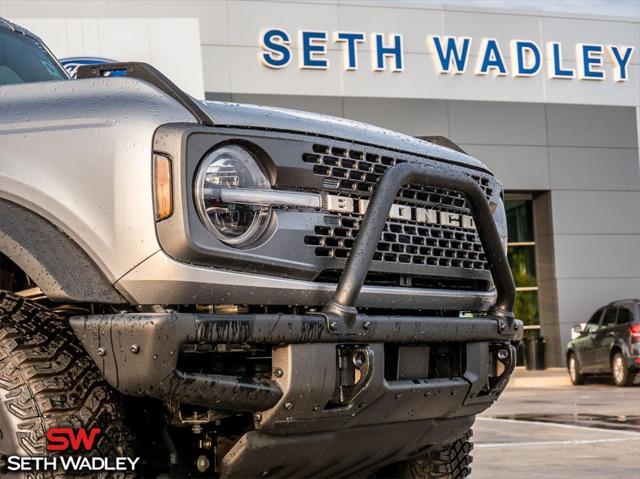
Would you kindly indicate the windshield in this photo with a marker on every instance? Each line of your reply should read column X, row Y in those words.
column 23, row 59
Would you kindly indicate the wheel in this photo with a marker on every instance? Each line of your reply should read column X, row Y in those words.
column 622, row 377
column 450, row 462
column 577, row 378
column 47, row 380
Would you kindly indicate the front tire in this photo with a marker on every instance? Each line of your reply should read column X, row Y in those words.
column 577, row 378
column 622, row 377
column 47, row 380
column 450, row 462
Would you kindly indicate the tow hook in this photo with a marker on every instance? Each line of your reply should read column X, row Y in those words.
column 354, row 364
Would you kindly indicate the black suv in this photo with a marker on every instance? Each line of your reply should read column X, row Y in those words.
column 609, row 343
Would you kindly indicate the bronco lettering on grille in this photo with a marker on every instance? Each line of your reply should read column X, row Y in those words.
column 342, row 204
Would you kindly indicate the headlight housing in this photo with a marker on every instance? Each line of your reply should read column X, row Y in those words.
column 231, row 167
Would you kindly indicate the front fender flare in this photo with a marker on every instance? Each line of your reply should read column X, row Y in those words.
column 62, row 270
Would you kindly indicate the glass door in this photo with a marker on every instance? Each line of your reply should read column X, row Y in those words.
column 521, row 252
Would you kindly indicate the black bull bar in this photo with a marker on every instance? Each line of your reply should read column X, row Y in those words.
column 137, row 352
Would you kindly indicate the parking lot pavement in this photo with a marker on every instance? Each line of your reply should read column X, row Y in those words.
column 543, row 427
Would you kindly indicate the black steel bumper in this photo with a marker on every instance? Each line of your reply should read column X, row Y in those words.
column 138, row 353
column 392, row 418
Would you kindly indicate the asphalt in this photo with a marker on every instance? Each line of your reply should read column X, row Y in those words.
column 542, row 427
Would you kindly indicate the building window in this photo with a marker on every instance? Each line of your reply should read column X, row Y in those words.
column 521, row 253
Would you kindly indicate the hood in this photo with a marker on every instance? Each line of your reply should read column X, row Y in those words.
column 270, row 118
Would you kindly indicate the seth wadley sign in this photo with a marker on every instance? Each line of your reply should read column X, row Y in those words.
column 451, row 55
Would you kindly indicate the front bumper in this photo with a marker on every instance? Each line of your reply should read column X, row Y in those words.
column 138, row 353
column 292, row 410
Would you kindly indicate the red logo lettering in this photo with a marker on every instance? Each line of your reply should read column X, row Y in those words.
column 61, row 438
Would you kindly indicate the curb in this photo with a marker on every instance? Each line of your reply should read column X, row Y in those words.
column 552, row 377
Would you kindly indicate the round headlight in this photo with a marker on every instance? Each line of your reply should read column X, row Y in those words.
column 231, row 167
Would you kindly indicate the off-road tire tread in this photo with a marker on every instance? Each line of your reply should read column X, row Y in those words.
column 450, row 462
column 48, row 380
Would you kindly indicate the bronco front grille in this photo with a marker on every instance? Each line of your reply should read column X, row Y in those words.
column 354, row 173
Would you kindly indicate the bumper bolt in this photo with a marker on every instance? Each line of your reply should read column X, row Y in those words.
column 366, row 325
column 333, row 325
column 277, row 372
column 202, row 463
column 101, row 352
column 358, row 359
column 257, row 417
column 288, row 406
column 135, row 349
column 503, row 354
column 207, row 444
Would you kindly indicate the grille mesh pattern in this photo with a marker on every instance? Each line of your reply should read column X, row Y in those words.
column 354, row 173
column 402, row 242
column 357, row 172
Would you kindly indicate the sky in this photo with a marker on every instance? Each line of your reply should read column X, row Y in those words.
column 621, row 8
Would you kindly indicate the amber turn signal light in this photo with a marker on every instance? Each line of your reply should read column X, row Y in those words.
column 163, row 193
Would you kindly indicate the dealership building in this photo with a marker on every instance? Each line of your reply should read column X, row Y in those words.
column 550, row 102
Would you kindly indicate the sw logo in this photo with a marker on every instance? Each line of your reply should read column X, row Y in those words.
column 65, row 438
column 76, row 442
